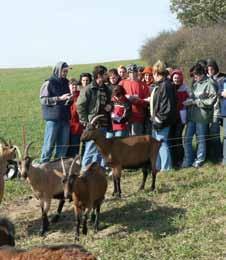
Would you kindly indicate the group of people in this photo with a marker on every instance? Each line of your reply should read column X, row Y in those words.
column 137, row 100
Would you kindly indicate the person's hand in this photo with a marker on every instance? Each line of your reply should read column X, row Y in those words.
column 188, row 102
column 108, row 108
column 65, row 96
column 223, row 94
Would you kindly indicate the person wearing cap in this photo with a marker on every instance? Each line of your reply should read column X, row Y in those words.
column 162, row 113
column 176, row 130
column 95, row 99
column 214, row 147
column 136, row 93
column 55, row 98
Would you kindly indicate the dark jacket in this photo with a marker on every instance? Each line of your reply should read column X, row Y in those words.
column 88, row 103
column 163, row 104
column 51, row 90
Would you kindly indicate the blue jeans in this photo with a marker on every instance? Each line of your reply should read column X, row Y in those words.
column 224, row 140
column 164, row 159
column 56, row 134
column 122, row 133
column 91, row 154
column 213, row 142
column 200, row 130
column 74, row 145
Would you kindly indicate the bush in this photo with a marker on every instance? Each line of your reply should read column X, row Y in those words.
column 184, row 47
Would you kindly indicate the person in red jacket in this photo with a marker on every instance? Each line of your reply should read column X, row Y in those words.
column 136, row 92
column 76, row 127
column 121, row 112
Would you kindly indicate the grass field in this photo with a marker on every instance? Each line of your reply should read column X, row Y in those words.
column 184, row 219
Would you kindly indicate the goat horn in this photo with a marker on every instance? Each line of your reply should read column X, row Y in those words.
column 72, row 164
column 18, row 151
column 63, row 167
column 3, row 141
column 27, row 148
column 95, row 119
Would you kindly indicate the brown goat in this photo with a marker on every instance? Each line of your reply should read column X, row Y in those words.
column 45, row 183
column 7, row 232
column 61, row 252
column 58, row 252
column 88, row 191
column 131, row 152
column 7, row 153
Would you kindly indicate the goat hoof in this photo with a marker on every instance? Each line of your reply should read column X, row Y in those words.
column 42, row 233
column 76, row 238
column 55, row 219
column 84, row 231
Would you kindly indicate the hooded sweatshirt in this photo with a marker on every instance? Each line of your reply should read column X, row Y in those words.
column 52, row 107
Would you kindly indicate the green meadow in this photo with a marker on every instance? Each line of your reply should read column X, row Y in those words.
column 184, row 219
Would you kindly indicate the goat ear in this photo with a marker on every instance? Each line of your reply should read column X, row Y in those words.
column 59, row 173
column 18, row 152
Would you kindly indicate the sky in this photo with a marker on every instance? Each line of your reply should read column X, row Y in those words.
column 43, row 32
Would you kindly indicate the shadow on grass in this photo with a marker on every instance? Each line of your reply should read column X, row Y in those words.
column 65, row 223
column 142, row 216
column 134, row 216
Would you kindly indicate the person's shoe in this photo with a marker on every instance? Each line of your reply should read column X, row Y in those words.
column 185, row 165
column 197, row 164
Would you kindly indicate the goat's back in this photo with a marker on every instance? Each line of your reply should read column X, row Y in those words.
column 133, row 151
column 62, row 252
column 50, row 183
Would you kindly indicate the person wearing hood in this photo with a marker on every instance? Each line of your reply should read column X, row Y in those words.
column 55, row 99
column 215, row 151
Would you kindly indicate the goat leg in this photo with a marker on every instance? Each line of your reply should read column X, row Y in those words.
column 118, row 185
column 45, row 205
column 45, row 224
column 78, row 222
column 84, row 224
column 59, row 210
column 154, row 172
column 115, row 185
column 96, row 224
column 145, row 174
column 93, row 216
